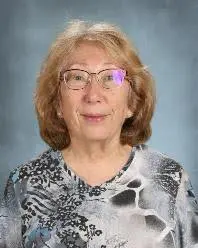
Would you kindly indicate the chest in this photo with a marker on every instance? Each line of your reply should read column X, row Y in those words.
column 96, row 216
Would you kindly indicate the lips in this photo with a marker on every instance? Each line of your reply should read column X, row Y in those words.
column 94, row 117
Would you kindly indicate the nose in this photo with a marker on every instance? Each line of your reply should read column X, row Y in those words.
column 93, row 90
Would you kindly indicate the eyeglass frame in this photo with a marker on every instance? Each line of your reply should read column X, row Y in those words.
column 62, row 78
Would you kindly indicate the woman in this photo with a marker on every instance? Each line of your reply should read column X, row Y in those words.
column 98, row 185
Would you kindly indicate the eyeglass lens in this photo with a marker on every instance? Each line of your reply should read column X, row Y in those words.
column 78, row 79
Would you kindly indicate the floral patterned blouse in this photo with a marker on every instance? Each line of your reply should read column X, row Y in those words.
column 148, row 204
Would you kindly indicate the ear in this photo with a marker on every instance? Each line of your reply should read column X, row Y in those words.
column 129, row 114
column 60, row 109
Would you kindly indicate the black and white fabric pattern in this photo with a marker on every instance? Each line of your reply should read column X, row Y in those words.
column 150, row 203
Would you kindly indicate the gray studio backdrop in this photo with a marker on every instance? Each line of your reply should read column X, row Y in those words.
column 165, row 33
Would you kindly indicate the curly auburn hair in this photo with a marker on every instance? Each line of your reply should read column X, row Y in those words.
column 53, row 130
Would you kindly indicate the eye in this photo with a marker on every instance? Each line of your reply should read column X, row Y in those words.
column 77, row 77
column 107, row 77
column 112, row 77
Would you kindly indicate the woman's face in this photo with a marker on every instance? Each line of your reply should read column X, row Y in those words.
column 78, row 106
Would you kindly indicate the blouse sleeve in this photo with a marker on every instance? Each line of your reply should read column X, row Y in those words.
column 186, row 215
column 10, row 218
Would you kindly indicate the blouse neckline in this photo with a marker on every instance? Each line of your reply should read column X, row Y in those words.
column 75, row 177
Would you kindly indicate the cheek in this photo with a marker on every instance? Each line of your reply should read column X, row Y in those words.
column 69, row 114
column 69, row 105
column 120, row 102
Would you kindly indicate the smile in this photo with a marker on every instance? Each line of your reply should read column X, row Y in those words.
column 94, row 118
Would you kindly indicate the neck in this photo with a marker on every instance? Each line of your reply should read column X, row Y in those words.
column 96, row 162
column 95, row 151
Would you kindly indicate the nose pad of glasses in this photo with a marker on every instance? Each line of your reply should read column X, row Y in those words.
column 91, row 76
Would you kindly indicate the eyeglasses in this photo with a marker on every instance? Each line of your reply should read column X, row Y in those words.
column 77, row 79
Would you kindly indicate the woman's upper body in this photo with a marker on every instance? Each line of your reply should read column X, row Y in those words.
column 97, row 186
column 148, row 203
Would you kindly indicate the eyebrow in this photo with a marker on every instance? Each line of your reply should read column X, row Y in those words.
column 85, row 64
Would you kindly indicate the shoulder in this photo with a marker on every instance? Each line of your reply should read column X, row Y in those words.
column 158, row 161
column 164, row 172
column 46, row 161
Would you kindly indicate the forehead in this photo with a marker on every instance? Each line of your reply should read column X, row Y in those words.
column 90, row 53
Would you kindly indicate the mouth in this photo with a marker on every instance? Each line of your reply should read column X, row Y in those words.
column 94, row 117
